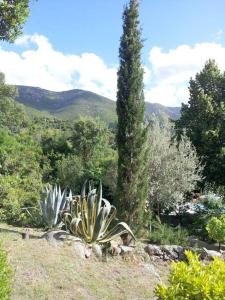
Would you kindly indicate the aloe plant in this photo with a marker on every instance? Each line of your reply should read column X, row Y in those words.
column 52, row 203
column 90, row 217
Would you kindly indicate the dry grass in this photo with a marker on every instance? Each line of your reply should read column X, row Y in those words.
column 53, row 271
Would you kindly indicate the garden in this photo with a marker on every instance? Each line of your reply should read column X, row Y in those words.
column 131, row 210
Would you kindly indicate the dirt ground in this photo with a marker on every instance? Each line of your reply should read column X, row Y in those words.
column 53, row 271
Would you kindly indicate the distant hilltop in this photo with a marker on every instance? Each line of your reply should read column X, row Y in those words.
column 71, row 104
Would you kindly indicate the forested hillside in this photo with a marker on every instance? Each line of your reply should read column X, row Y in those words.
column 71, row 104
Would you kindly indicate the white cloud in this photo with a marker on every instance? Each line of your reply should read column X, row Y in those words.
column 41, row 65
column 171, row 71
column 166, row 74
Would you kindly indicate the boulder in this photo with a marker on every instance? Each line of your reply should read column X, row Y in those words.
column 170, row 252
column 194, row 242
column 210, row 254
column 153, row 250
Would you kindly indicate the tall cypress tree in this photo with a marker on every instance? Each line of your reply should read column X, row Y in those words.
column 131, row 134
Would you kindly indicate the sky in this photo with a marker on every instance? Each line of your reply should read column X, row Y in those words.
column 74, row 44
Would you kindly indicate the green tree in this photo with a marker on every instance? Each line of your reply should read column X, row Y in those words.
column 91, row 140
column 70, row 172
column 131, row 134
column 203, row 118
column 20, row 176
column 13, row 14
column 12, row 114
column 174, row 170
column 89, row 136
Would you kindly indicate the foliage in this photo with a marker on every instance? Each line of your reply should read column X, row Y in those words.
column 131, row 134
column 193, row 280
column 70, row 172
column 89, row 136
column 20, row 177
column 5, row 276
column 163, row 234
column 211, row 201
column 52, row 203
column 91, row 216
column 203, row 120
column 92, row 147
column 12, row 114
column 13, row 14
column 216, row 228
column 55, row 146
column 209, row 204
column 174, row 169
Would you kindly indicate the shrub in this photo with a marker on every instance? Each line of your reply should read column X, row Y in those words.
column 193, row 280
column 174, row 168
column 211, row 201
column 216, row 229
column 5, row 276
column 20, row 177
column 163, row 234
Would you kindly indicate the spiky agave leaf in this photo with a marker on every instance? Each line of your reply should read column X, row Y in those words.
column 118, row 230
column 92, row 217
column 53, row 201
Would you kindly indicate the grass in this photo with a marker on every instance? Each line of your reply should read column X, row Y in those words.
column 47, row 270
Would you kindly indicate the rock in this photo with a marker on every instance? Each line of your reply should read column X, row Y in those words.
column 126, row 249
column 82, row 250
column 126, row 238
column 194, row 242
column 170, row 252
column 153, row 250
column 174, row 252
column 97, row 250
column 25, row 235
column 59, row 235
column 210, row 254
column 115, row 250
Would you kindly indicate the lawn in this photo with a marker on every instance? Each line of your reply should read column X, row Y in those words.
column 53, row 271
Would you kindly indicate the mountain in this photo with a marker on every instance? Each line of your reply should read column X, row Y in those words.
column 69, row 105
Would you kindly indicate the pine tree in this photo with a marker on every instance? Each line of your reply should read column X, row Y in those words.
column 203, row 118
column 131, row 134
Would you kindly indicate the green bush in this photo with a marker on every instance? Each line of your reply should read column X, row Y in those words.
column 211, row 201
column 193, row 280
column 20, row 177
column 216, row 229
column 163, row 234
column 5, row 276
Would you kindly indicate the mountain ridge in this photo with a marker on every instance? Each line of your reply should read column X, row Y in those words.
column 70, row 104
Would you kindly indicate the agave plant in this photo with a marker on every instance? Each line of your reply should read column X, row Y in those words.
column 52, row 203
column 90, row 216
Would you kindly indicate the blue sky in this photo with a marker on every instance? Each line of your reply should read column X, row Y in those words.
column 83, row 36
